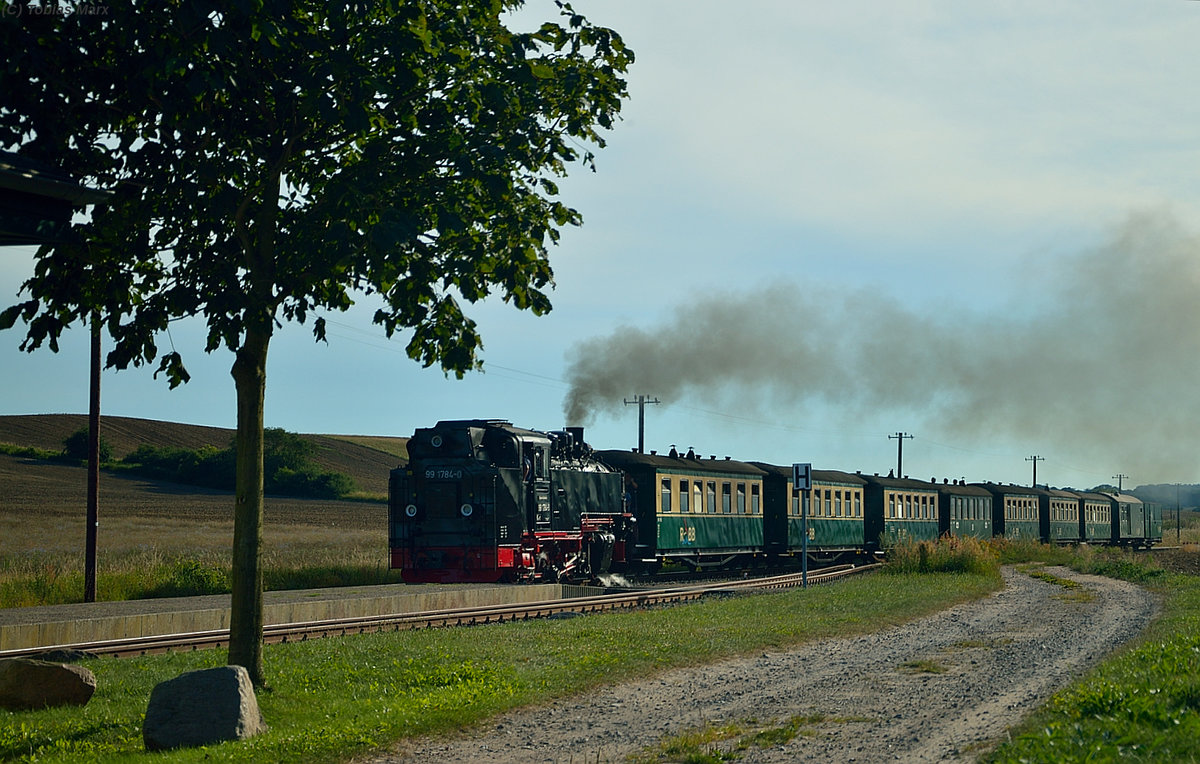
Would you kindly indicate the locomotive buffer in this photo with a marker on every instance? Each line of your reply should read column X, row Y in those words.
column 802, row 481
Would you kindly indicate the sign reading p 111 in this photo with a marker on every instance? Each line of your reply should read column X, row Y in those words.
column 802, row 477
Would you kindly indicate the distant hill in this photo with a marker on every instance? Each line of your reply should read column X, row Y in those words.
column 366, row 459
column 1170, row 495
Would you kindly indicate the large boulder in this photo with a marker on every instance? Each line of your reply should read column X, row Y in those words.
column 201, row 708
column 27, row 684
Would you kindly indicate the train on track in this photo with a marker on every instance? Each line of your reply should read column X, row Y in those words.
column 481, row 500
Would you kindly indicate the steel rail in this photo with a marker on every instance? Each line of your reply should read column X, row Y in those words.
column 302, row 631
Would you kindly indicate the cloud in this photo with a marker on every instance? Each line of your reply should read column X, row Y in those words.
column 902, row 117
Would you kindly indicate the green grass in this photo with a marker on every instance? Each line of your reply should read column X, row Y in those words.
column 29, row 452
column 924, row 666
column 729, row 741
column 329, row 700
column 946, row 555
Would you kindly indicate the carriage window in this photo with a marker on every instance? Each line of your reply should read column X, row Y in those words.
column 712, row 497
column 828, row 503
column 697, row 497
column 837, row 503
column 727, row 498
column 741, row 498
column 684, row 495
column 891, row 505
column 665, row 504
column 755, row 507
column 857, row 504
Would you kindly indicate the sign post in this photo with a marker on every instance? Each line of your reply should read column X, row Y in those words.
column 802, row 481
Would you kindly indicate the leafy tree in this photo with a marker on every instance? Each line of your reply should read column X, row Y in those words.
column 75, row 446
column 273, row 159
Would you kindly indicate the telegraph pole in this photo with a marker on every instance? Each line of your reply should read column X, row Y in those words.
column 1035, row 459
column 641, row 402
column 93, row 492
column 900, row 437
column 1119, row 477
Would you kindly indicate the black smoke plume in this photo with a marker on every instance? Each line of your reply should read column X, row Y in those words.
column 1099, row 355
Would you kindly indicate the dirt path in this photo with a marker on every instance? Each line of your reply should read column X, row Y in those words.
column 935, row 689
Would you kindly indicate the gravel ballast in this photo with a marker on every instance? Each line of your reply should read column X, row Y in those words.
column 945, row 687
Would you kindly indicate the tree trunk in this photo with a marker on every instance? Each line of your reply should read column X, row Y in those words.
column 246, row 607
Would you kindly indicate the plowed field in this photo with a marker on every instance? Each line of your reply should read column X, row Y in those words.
column 43, row 504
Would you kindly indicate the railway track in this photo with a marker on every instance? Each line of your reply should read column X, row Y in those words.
column 298, row 632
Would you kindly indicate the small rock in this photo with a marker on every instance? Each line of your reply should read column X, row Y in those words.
column 27, row 684
column 65, row 656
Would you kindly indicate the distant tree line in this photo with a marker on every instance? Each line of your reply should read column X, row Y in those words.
column 287, row 462
column 1185, row 495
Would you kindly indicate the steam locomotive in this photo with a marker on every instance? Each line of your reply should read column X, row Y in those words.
column 481, row 500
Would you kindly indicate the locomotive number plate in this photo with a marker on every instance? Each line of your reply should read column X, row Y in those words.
column 445, row 474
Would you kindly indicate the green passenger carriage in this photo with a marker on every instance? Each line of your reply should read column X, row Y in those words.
column 964, row 510
column 699, row 512
column 1016, row 512
column 1154, row 522
column 1062, row 508
column 1095, row 518
column 835, row 507
column 898, row 510
column 1128, row 520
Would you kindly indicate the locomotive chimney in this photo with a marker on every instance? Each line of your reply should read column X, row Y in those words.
column 577, row 436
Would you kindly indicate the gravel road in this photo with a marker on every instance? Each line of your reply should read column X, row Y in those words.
column 940, row 688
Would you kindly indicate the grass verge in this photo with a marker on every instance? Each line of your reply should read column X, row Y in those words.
column 329, row 700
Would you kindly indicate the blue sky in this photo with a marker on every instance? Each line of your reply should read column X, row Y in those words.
column 970, row 185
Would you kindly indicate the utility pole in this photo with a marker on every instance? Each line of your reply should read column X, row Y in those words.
column 1035, row 459
column 900, row 437
column 641, row 402
column 1119, row 477
column 93, row 492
